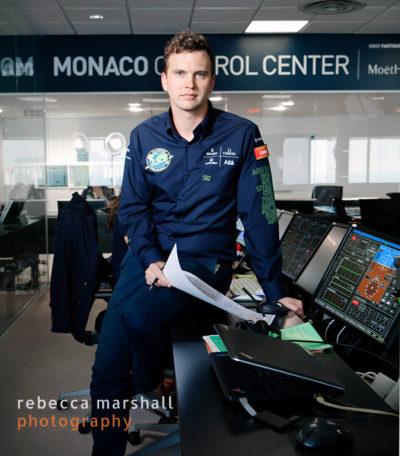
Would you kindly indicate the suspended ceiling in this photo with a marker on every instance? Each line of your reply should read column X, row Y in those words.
column 71, row 17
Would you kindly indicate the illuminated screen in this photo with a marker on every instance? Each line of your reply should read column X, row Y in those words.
column 359, row 287
column 299, row 243
column 315, row 269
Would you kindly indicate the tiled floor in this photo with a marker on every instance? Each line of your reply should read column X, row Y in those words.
column 37, row 365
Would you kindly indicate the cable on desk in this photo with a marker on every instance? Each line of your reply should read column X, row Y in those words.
column 322, row 401
column 367, row 375
column 327, row 327
column 340, row 333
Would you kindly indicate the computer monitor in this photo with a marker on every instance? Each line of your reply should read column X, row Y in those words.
column 305, row 206
column 35, row 209
column 284, row 221
column 315, row 269
column 11, row 212
column 324, row 194
column 380, row 214
column 359, row 287
column 299, row 243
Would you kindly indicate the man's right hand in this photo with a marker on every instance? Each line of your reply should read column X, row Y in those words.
column 154, row 271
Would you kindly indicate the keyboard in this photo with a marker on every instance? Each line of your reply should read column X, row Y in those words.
column 279, row 383
column 238, row 379
column 251, row 284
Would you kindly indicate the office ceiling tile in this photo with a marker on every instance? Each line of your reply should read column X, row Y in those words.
column 158, row 28
column 44, row 14
column 92, row 3
column 148, row 16
column 390, row 15
column 227, row 4
column 284, row 3
column 110, row 14
column 219, row 27
column 19, row 25
column 38, row 3
column 13, row 14
column 363, row 15
column 331, row 27
column 101, row 28
column 55, row 28
column 8, row 28
column 380, row 3
column 222, row 14
column 377, row 27
column 276, row 14
column 160, row 3
column 25, row 28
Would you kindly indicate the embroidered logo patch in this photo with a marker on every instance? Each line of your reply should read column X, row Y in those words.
column 158, row 160
column 261, row 152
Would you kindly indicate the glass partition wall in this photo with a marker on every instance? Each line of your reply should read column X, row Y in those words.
column 53, row 145
column 23, row 251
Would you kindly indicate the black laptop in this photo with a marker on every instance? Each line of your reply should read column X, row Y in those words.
column 265, row 368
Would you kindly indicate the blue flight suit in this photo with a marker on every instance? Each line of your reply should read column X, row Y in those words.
column 188, row 193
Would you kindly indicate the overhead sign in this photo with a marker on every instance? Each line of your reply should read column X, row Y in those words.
column 242, row 63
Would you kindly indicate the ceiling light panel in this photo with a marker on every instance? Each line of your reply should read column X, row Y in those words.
column 275, row 26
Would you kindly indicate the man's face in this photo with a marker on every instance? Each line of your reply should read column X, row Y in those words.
column 188, row 80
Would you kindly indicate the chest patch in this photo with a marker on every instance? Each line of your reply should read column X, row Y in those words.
column 158, row 159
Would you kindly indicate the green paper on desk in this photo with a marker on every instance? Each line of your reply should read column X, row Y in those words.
column 305, row 331
column 218, row 342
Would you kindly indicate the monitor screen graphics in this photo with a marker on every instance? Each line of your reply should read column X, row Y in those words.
column 299, row 243
column 359, row 287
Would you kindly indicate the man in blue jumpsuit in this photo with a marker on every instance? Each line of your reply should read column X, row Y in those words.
column 188, row 173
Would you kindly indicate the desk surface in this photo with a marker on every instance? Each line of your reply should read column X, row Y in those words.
column 212, row 426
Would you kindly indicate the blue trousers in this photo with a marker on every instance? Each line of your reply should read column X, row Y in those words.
column 134, row 343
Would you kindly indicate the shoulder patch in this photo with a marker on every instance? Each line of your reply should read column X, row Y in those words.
column 261, row 152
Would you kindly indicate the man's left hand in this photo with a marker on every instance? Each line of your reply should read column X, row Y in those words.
column 293, row 304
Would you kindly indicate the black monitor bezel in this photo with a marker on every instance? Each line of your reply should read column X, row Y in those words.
column 284, row 211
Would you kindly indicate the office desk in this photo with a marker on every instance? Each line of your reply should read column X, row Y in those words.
column 211, row 426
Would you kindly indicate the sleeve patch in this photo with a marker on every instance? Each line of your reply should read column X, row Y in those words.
column 261, row 152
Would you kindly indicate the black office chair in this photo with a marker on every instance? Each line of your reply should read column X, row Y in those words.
column 78, row 230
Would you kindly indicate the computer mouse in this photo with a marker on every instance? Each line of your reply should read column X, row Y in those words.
column 274, row 308
column 324, row 434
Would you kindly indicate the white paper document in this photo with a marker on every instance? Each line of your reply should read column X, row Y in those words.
column 196, row 287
